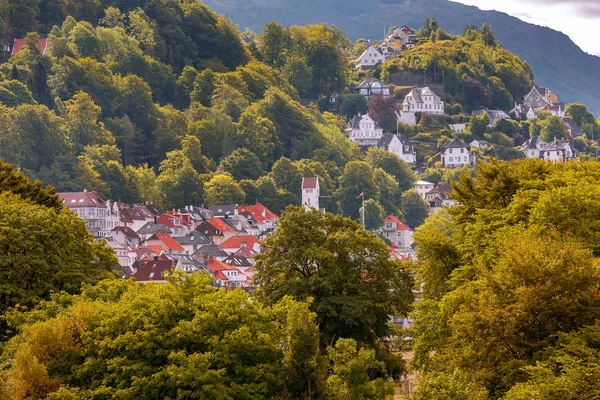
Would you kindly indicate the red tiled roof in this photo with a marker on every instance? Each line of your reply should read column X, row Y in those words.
column 154, row 270
column 258, row 212
column 309, row 183
column 215, row 266
column 19, row 44
column 401, row 226
column 156, row 249
column 221, row 276
column 221, row 225
column 82, row 199
column 235, row 242
column 165, row 220
column 167, row 240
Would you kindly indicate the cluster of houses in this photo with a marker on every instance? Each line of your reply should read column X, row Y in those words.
column 150, row 243
column 393, row 46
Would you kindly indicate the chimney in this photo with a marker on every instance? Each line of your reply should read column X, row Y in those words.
column 155, row 219
column 84, row 190
column 155, row 258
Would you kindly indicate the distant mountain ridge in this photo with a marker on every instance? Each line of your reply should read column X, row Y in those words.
column 557, row 62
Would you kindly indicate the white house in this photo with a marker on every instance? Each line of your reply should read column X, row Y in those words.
column 400, row 146
column 369, row 58
column 456, row 153
column 364, row 131
column 310, row 192
column 558, row 150
column 533, row 147
column 423, row 187
column 479, row 144
column 458, row 128
column 423, row 100
column 439, row 197
column 91, row 208
column 397, row 232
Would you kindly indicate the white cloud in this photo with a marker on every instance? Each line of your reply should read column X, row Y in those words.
column 579, row 19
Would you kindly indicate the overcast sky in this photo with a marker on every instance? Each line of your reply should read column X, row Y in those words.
column 580, row 19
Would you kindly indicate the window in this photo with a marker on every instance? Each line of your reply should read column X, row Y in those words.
column 462, row 150
column 451, row 159
column 309, row 190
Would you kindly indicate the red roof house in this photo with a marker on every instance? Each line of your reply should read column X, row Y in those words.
column 19, row 44
column 234, row 243
column 166, row 242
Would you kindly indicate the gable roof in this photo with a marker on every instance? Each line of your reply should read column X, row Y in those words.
column 400, row 226
column 154, row 270
column 366, row 84
column 236, row 242
column 259, row 213
column 310, row 182
column 223, row 210
column 573, row 127
column 237, row 261
column 19, row 44
column 557, row 145
column 126, row 231
column 193, row 238
column 207, row 229
column 215, row 265
column 211, row 250
column 167, row 241
column 246, row 252
column 82, row 199
column 532, row 143
column 151, row 227
column 221, row 225
column 456, row 143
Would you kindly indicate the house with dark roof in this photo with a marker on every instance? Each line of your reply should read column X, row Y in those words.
column 208, row 230
column 456, row 153
column 533, row 147
column 208, row 251
column 371, row 86
column 223, row 210
column 125, row 236
column 558, row 150
column 439, row 197
column 238, row 261
column 192, row 241
column 364, row 131
column 247, row 253
column 121, row 251
column 151, row 228
column 186, row 263
column 423, row 100
column 396, row 232
column 400, row 146
column 572, row 127
column 155, row 271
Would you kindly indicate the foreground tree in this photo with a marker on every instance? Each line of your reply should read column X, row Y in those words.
column 347, row 272
column 197, row 342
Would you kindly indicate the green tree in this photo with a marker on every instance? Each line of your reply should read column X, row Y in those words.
column 223, row 189
column 579, row 114
column 242, row 164
column 45, row 250
column 389, row 191
column 286, row 175
column 353, row 104
column 205, row 342
column 553, row 128
column 393, row 165
column 345, row 270
column 18, row 184
column 178, row 183
column 488, row 36
column 84, row 128
column 352, row 370
column 455, row 387
column 357, row 179
column 374, row 214
column 413, row 208
column 275, row 43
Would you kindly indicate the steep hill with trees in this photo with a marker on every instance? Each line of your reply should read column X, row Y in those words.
column 556, row 61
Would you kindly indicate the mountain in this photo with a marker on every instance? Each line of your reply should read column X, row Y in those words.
column 556, row 61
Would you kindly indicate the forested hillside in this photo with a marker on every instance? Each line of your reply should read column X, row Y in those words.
column 556, row 61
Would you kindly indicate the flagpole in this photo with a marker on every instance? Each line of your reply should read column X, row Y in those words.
column 363, row 211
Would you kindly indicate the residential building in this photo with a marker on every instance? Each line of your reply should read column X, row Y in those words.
column 310, row 192
column 558, row 150
column 185, row 262
column 223, row 210
column 224, row 228
column 423, row 100
column 121, row 251
column 150, row 228
column 406, row 117
column 226, row 275
column 19, row 44
column 234, row 243
column 125, row 236
column 371, row 86
column 456, row 153
column 533, row 147
column 369, row 58
column 439, row 197
column 180, row 224
column 165, row 242
column 210, row 251
column 247, row 253
column 244, row 225
column 91, row 208
column 405, row 35
column 523, row 112
column 364, row 131
column 397, row 232
column 259, row 216
column 400, row 146
column 493, row 115
column 572, row 127
column 556, row 109
column 192, row 242
column 155, row 271
column 423, row 187
column 480, row 144
column 458, row 128
column 537, row 98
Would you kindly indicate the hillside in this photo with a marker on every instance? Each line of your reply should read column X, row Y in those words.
column 556, row 61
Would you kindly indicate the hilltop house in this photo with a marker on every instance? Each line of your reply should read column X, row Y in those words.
column 439, row 197
column 539, row 98
column 397, row 232
column 310, row 192
column 371, row 86
column 480, row 144
column 494, row 115
column 423, row 187
column 369, row 58
column 404, row 36
column 19, row 44
column 423, row 100
column 556, row 151
column 400, row 146
column 456, row 153
column 364, row 131
column 572, row 127
column 533, row 147
column 234, row 243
